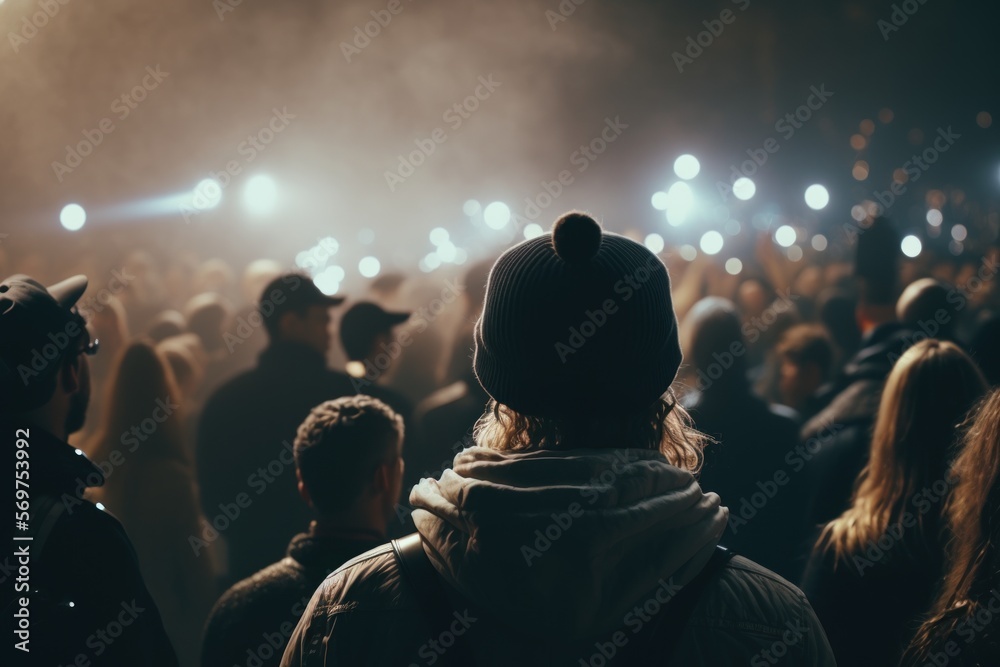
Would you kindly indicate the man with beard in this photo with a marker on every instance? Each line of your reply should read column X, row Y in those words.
column 72, row 585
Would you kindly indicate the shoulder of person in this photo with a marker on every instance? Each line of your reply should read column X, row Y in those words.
column 370, row 581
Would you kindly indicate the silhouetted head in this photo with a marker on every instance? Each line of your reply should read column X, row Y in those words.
column 924, row 306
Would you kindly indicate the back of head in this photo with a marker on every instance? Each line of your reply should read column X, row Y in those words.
column 807, row 344
column 340, row 445
column 206, row 316
column 926, row 396
column 836, row 314
column 714, row 342
column 924, row 304
column 974, row 549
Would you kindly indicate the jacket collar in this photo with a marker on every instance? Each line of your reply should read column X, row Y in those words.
column 329, row 551
column 56, row 466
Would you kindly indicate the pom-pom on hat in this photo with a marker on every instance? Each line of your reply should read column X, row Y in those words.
column 578, row 322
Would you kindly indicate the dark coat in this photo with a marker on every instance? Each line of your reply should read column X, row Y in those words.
column 246, row 469
column 257, row 615
column 85, row 589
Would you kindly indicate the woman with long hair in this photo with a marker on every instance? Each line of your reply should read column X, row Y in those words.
column 150, row 487
column 873, row 569
column 962, row 626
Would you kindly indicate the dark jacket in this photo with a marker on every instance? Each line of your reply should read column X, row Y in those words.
column 841, row 428
column 754, row 468
column 257, row 615
column 872, row 604
column 246, row 468
column 85, row 592
column 556, row 559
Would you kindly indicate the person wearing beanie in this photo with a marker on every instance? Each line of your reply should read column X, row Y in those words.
column 573, row 532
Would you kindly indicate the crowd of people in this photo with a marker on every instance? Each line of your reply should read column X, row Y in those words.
column 571, row 455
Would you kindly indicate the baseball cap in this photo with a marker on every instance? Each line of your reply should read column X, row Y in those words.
column 292, row 292
column 39, row 327
column 362, row 323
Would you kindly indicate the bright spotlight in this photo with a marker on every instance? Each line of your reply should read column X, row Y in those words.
column 471, row 207
column 711, row 242
column 911, row 246
column 496, row 215
column 660, row 200
column 934, row 217
column 369, row 267
column 687, row 167
column 207, row 194
column 819, row 242
column 430, row 262
column 744, row 188
column 734, row 266
column 858, row 212
column 260, row 194
column 785, row 236
column 328, row 281
column 533, row 230
column 680, row 201
column 72, row 217
column 447, row 252
column 655, row 243
column 439, row 236
column 958, row 232
column 817, row 197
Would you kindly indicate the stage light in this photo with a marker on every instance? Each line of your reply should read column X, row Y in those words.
column 460, row 256
column 911, row 246
column 471, row 207
column 794, row 253
column 959, row 232
column 447, row 252
column 680, row 201
column 655, row 243
column 533, row 230
column 687, row 167
column 744, row 188
column 934, row 217
column 328, row 280
column 688, row 252
column 439, row 236
column 734, row 266
column 858, row 212
column 430, row 262
column 819, row 242
column 785, row 236
column 660, row 200
column 72, row 217
column 496, row 215
column 207, row 194
column 817, row 197
column 260, row 194
column 369, row 267
column 711, row 242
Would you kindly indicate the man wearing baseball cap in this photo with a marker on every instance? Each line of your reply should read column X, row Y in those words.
column 73, row 586
column 245, row 434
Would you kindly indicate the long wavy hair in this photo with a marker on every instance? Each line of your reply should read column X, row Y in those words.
column 665, row 426
column 971, row 516
column 926, row 396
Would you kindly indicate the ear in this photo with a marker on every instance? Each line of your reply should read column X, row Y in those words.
column 69, row 375
column 382, row 481
column 303, row 491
